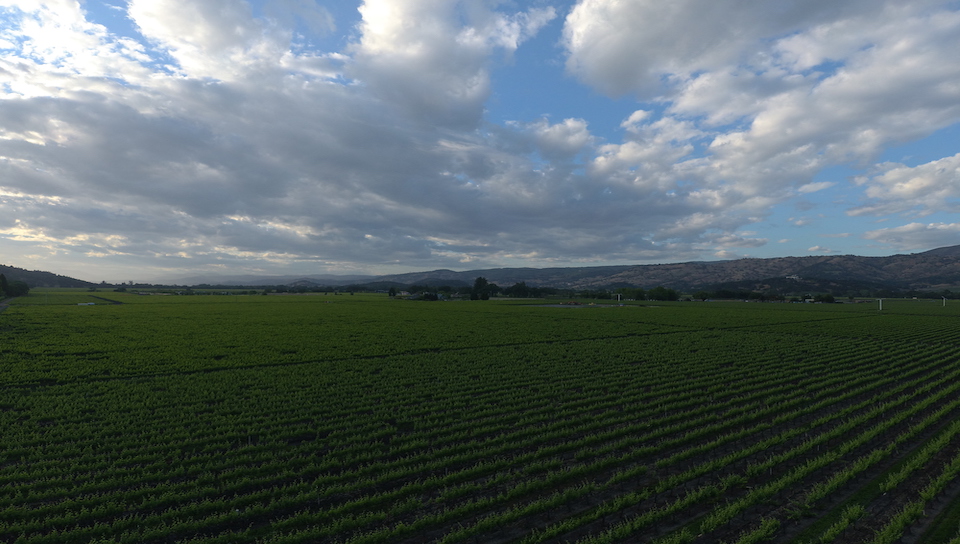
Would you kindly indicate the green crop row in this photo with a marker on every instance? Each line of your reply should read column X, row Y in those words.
column 365, row 419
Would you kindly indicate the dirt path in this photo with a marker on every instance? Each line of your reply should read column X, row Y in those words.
column 5, row 303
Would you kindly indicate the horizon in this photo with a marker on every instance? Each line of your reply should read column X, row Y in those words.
column 233, row 277
column 150, row 140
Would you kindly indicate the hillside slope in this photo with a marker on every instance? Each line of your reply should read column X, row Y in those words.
column 934, row 269
column 931, row 270
column 38, row 278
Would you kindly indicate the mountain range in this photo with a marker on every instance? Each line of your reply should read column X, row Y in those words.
column 930, row 270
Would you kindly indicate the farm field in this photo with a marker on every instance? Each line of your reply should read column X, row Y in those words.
column 361, row 419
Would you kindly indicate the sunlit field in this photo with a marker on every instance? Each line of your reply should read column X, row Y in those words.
column 360, row 418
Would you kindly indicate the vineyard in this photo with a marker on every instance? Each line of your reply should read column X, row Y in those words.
column 363, row 419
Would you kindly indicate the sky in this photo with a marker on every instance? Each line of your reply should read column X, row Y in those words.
column 148, row 140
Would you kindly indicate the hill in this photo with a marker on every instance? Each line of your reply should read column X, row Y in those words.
column 505, row 277
column 934, row 269
column 38, row 278
column 248, row 280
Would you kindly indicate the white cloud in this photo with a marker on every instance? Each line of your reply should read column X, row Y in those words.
column 651, row 152
column 814, row 187
column 217, row 39
column 431, row 57
column 728, row 255
column 756, row 68
column 920, row 190
column 622, row 47
column 223, row 139
column 56, row 51
column 562, row 140
column 733, row 94
column 917, row 236
column 633, row 122
column 733, row 240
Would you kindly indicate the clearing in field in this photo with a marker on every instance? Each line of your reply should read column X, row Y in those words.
column 283, row 419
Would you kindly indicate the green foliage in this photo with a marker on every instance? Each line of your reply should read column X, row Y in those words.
column 632, row 293
column 17, row 288
column 766, row 530
column 849, row 515
column 308, row 418
column 519, row 289
column 483, row 290
column 662, row 293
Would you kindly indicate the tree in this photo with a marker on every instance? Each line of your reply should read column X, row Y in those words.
column 392, row 292
column 3, row 285
column 631, row 293
column 662, row 293
column 480, row 289
column 774, row 295
column 17, row 289
column 519, row 289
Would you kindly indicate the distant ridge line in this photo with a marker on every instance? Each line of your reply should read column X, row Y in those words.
column 934, row 269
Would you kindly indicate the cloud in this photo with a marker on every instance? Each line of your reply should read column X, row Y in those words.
column 431, row 58
column 219, row 138
column 633, row 123
column 917, row 236
column 727, row 255
column 622, row 47
column 651, row 152
column 203, row 162
column 920, row 190
column 563, row 140
column 787, row 108
column 59, row 52
column 740, row 241
column 219, row 40
column 814, row 187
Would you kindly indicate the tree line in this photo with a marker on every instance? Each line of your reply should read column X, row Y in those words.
column 13, row 288
column 482, row 289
